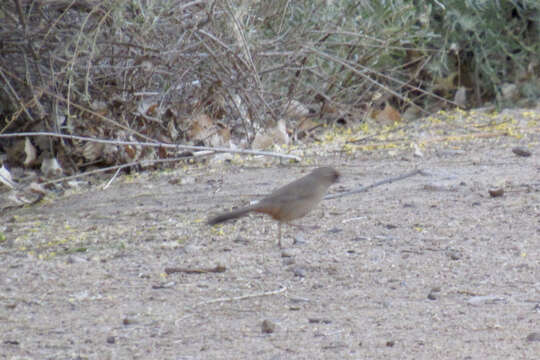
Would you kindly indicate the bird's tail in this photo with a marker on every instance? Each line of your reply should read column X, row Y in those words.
column 229, row 215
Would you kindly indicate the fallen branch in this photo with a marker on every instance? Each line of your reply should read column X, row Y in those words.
column 237, row 298
column 217, row 269
column 153, row 144
column 378, row 183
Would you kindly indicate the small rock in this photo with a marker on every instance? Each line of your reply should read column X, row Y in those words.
column 268, row 327
column 288, row 261
column 298, row 271
column 299, row 240
column 319, row 321
column 521, row 151
column 286, row 253
column 111, row 339
column 534, row 336
column 432, row 296
column 496, row 192
column 390, row 343
column 454, row 254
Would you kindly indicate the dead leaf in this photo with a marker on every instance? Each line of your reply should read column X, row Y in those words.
column 281, row 137
column 36, row 188
column 5, row 177
column 388, row 116
column 130, row 151
column 461, row 97
column 221, row 137
column 200, row 126
column 204, row 129
column 173, row 133
column 30, row 152
column 50, row 167
column 275, row 136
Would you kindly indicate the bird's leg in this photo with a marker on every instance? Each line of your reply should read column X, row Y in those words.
column 279, row 234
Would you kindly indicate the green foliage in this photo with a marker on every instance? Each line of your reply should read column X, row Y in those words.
column 436, row 46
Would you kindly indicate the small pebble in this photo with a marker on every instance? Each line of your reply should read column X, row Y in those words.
column 268, row 327
column 390, row 343
column 521, row 151
column 286, row 254
column 454, row 254
column 298, row 271
column 299, row 240
column 535, row 336
column 496, row 192
column 111, row 340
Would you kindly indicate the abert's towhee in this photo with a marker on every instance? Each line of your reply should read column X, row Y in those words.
column 289, row 202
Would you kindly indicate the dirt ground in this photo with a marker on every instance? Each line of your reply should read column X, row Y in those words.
column 429, row 267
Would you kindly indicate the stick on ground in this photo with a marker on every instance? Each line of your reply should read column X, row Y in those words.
column 378, row 183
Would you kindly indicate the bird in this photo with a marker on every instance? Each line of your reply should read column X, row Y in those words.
column 289, row 202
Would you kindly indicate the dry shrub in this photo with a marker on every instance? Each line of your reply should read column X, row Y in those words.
column 144, row 70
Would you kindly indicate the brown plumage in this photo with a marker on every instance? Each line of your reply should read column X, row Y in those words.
column 289, row 202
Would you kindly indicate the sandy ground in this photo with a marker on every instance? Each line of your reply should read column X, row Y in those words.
column 430, row 267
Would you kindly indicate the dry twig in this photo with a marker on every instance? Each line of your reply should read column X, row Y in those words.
column 216, row 269
column 237, row 298
column 153, row 144
column 378, row 183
